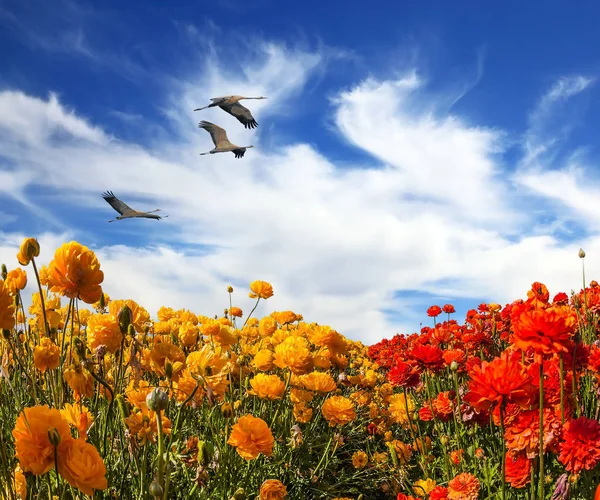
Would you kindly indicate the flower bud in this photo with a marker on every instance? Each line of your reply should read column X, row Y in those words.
column 239, row 494
column 102, row 301
column 30, row 248
column 226, row 410
column 454, row 366
column 444, row 440
column 79, row 347
column 122, row 405
column 131, row 331
column 4, row 271
column 230, row 289
column 125, row 317
column 54, row 436
column 169, row 370
column 155, row 489
column 581, row 253
column 157, row 400
column 6, row 333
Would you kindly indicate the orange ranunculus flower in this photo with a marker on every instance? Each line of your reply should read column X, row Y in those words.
column 30, row 248
column 103, row 329
column 272, row 489
column 7, row 308
column 518, row 469
column 78, row 416
column 33, row 448
column 140, row 318
column 284, row 317
column 82, row 466
column 260, row 289
column 523, row 434
column 164, row 354
column 359, row 459
column 46, row 355
column 251, row 436
column 80, row 381
column 263, row 360
column 294, row 353
column 538, row 296
column 16, row 280
column 503, row 380
column 20, row 483
column 236, row 312
column 75, row 273
column 267, row 326
column 318, row 382
column 267, row 386
column 338, row 410
column 546, row 331
column 580, row 449
column 597, row 494
column 465, row 486
column 188, row 334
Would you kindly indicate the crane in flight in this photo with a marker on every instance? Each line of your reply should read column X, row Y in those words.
column 220, row 140
column 231, row 104
column 125, row 211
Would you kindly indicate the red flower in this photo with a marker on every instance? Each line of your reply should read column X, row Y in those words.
column 427, row 356
column 402, row 496
column 580, row 449
column 404, row 374
column 518, row 469
column 448, row 309
column 561, row 298
column 597, row 495
column 538, row 295
column 425, row 414
column 438, row 493
column 434, row 311
column 504, row 380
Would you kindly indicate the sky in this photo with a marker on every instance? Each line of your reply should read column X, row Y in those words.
column 408, row 154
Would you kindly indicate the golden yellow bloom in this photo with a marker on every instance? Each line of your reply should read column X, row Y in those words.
column 251, row 436
column 302, row 413
column 16, row 280
column 82, row 466
column 7, row 308
column 260, row 289
column 143, row 425
column 338, row 410
column 165, row 354
column 300, row 396
column 284, row 317
column 103, row 329
column 359, row 459
column 20, row 483
column 46, row 355
column 272, row 489
column 294, row 353
column 267, row 386
column 33, row 448
column 218, row 332
column 30, row 248
column 78, row 416
column 140, row 317
column 423, row 487
column 319, row 382
column 75, row 273
column 80, row 381
column 137, row 395
column 263, row 360
column 165, row 313
column 398, row 408
column 188, row 334
column 236, row 312
column 403, row 451
column 267, row 326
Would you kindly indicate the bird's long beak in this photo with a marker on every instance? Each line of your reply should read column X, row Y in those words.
column 200, row 109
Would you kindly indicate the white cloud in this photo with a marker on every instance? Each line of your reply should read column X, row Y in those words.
column 335, row 242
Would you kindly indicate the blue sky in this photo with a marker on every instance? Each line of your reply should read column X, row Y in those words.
column 408, row 154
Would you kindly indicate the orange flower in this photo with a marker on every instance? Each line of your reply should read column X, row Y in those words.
column 465, row 486
column 164, row 355
column 188, row 334
column 103, row 329
column 33, row 448
column 236, row 312
column 524, row 432
column 359, row 459
column 80, row 381
column 428, row 357
column 272, row 489
column 318, row 382
column 78, row 416
column 518, row 469
column 30, row 248
column 16, row 280
column 75, row 273
column 294, row 353
column 267, row 386
column 503, row 380
column 7, row 308
column 580, row 449
column 263, row 360
column 251, row 436
column 260, row 289
column 82, row 466
column 338, row 410
column 538, row 296
column 401, row 408
column 20, row 483
column 46, row 355
column 546, row 331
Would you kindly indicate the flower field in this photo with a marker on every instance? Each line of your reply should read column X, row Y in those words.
column 99, row 400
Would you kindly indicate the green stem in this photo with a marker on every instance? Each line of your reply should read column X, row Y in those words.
column 160, row 449
column 257, row 301
column 37, row 277
column 562, row 389
column 503, row 451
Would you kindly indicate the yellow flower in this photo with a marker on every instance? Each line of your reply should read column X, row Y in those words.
column 260, row 289
column 423, row 487
column 16, row 280
column 20, row 483
column 272, row 489
column 235, row 312
column 33, row 448
column 80, row 381
column 82, row 466
column 46, row 355
column 251, row 436
column 263, row 360
column 267, row 386
column 188, row 334
column 164, row 355
column 294, row 353
column 75, row 273
column 319, row 382
column 7, row 308
column 403, row 451
column 398, row 408
column 302, row 413
column 78, row 416
column 103, row 329
column 338, row 410
column 30, row 248
column 267, row 326
column 359, row 459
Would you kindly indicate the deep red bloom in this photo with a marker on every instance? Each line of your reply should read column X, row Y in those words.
column 404, row 374
column 448, row 309
column 402, row 496
column 438, row 493
column 425, row 413
column 580, row 449
column 428, row 357
column 434, row 311
column 561, row 298
column 538, row 295
column 372, row 429
column 518, row 469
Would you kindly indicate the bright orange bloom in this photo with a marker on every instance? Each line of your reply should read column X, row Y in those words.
column 236, row 312
column 140, row 318
column 166, row 359
column 260, row 289
column 46, row 355
column 272, row 489
column 263, row 360
column 465, row 486
column 7, row 308
column 503, row 380
column 75, row 273
column 78, row 416
column 518, row 469
column 580, row 449
column 251, row 436
column 524, row 432
column 267, row 386
column 30, row 248
column 294, row 353
column 80, row 381
column 20, row 483
column 82, row 466
column 404, row 374
column 546, row 331
column 359, row 459
column 103, row 329
column 538, row 296
column 318, row 382
column 33, row 448
column 597, row 494
column 16, row 280
column 438, row 493
column 338, row 410
column 428, row 357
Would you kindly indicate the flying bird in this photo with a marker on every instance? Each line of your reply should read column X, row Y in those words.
column 219, row 138
column 125, row 211
column 231, row 104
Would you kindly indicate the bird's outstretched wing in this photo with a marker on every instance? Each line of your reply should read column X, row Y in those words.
column 117, row 204
column 242, row 113
column 217, row 133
